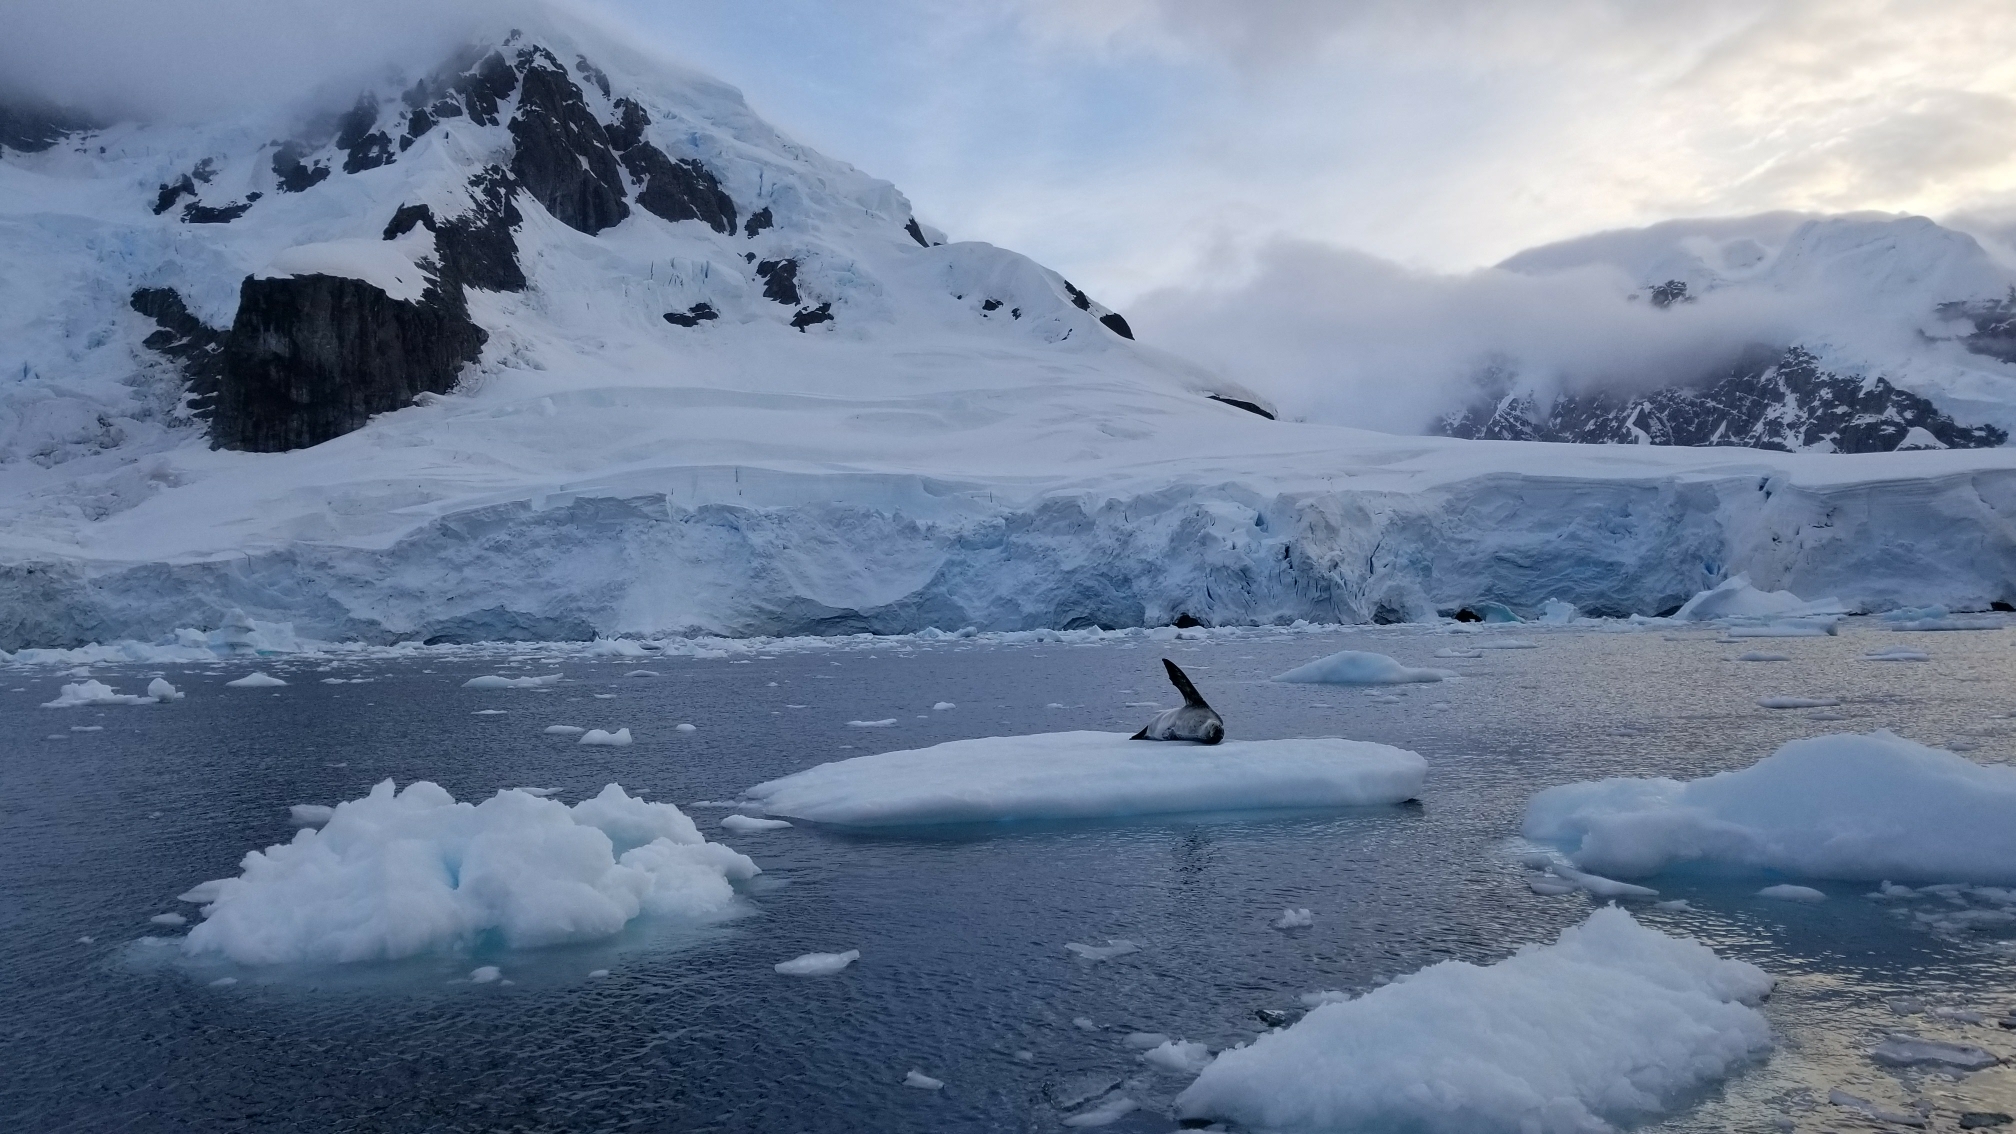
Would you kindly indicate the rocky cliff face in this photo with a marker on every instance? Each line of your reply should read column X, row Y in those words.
column 1786, row 403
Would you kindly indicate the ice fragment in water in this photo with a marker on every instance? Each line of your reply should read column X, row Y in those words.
column 309, row 815
column 255, row 680
column 1294, row 919
column 616, row 739
column 484, row 974
column 161, row 691
column 1911, row 1051
column 817, row 964
column 1180, row 1056
column 1790, row 893
column 1356, row 667
column 751, row 823
column 1109, row 1110
column 169, row 919
column 493, row 681
column 1114, row 947
column 564, row 730
column 1142, row 1041
column 872, row 724
column 683, row 727
column 921, row 1081
column 942, row 706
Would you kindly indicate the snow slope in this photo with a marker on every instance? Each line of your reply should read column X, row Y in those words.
column 927, row 458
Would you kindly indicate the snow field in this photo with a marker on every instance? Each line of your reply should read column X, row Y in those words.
column 1357, row 667
column 1085, row 775
column 1849, row 806
column 404, row 872
column 1613, row 1022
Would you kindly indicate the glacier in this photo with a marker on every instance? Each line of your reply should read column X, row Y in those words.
column 962, row 439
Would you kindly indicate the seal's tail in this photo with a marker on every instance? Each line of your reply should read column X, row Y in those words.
column 1182, row 683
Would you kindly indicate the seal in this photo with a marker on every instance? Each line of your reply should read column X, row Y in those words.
column 1194, row 721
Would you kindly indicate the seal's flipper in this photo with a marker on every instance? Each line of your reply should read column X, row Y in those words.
column 1182, row 683
column 1142, row 735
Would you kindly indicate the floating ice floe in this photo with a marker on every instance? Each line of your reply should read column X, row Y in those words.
column 1850, row 806
column 564, row 730
column 1181, row 1057
column 1911, row 1051
column 1786, row 892
column 1357, row 667
column 942, row 706
column 490, row 713
column 817, row 964
column 643, row 673
column 95, row 692
column 1736, row 599
column 1447, row 652
column 1899, row 654
column 922, row 1082
column 1929, row 618
column 1613, row 1023
column 1294, row 919
column 162, row 692
column 1798, row 702
column 1082, row 775
column 1787, row 628
column 400, row 873
column 751, row 823
column 493, row 681
column 1874, row 1111
column 257, row 679
column 1114, row 947
column 168, row 919
column 872, row 724
column 683, row 726
column 617, row 739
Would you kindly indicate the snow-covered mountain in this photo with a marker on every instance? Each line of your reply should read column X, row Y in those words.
column 1883, row 333
column 554, row 339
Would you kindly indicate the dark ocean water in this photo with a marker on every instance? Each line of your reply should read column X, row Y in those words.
column 963, row 973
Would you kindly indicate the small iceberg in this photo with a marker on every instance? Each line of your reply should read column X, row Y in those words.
column 618, row 739
column 922, row 1082
column 1786, row 892
column 1357, row 667
column 817, row 964
column 94, row 692
column 255, row 680
column 1899, row 654
column 1090, row 775
column 1736, row 598
column 1294, row 919
column 492, row 681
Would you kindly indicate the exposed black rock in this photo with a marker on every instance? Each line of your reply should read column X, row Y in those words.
column 205, row 170
column 628, row 129
column 780, row 280
column 309, row 358
column 418, row 122
column 484, row 86
column 679, row 190
column 195, row 346
column 197, row 213
column 693, row 316
column 810, row 315
column 32, row 126
column 593, row 74
column 295, row 175
column 1116, row 324
column 1079, row 299
column 478, row 248
column 916, row 233
column 561, row 154
column 1669, row 293
column 172, row 192
column 758, row 221
column 367, row 148
column 1786, row 404
column 990, row 305
column 1240, row 403
column 1994, row 325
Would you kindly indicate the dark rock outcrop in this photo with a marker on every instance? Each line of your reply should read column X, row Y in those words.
column 674, row 190
column 758, row 221
column 560, row 152
column 916, row 233
column 296, row 176
column 195, row 346
column 195, row 212
column 309, row 358
column 780, row 280
column 1240, row 403
column 171, row 192
column 1114, row 323
column 366, row 148
column 808, row 316
column 693, row 316
column 1787, row 403
column 31, row 126
column 1994, row 333
column 478, row 248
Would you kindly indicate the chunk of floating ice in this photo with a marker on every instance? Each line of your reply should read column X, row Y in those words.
column 1760, row 655
column 1114, row 947
column 1929, row 624
column 309, row 815
column 1798, row 702
column 224, row 982
column 683, row 727
column 1507, row 644
column 169, row 919
column 1847, row 806
column 93, row 692
column 1550, row 887
column 1789, row 628
column 1180, row 1056
column 942, row 706
column 1084, row 1023
column 595, row 973
column 922, row 1082
column 1294, row 919
column 751, row 823
column 1327, row 996
column 872, row 724
column 1081, row 775
column 488, row 713
column 1613, row 1023
column 817, row 964
column 1142, row 1041
column 1678, row 904
column 1911, row 1051
column 1789, row 893
column 605, row 696
column 1897, row 655
column 617, row 739
column 87, row 728
column 1106, row 1112
column 643, row 673
column 1598, row 886
column 492, row 681
column 1357, row 667
column 1736, row 598
column 564, row 730
column 1870, row 1110
column 162, row 692
column 1446, row 652
column 400, row 873
column 255, row 680
column 1054, row 705
column 484, row 974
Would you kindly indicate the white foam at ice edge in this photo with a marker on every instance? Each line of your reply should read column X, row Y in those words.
column 399, row 873
column 921, row 1081
column 1080, row 775
column 617, row 739
column 1786, row 892
column 817, row 964
column 1614, row 1022
column 1358, row 667
column 1850, row 806
column 751, row 823
column 1114, row 947
column 257, row 679
column 493, row 681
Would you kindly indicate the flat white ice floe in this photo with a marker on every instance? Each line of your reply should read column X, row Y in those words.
column 1084, row 775
column 493, row 681
column 1911, row 1051
column 817, row 964
column 1898, row 654
column 1850, row 806
column 95, row 692
column 1613, row 1023
column 885, row 723
column 751, row 823
column 921, row 1081
column 1182, row 1057
column 257, row 679
column 1294, row 919
column 400, row 873
column 617, row 739
column 308, row 815
column 564, row 730
column 1358, row 667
